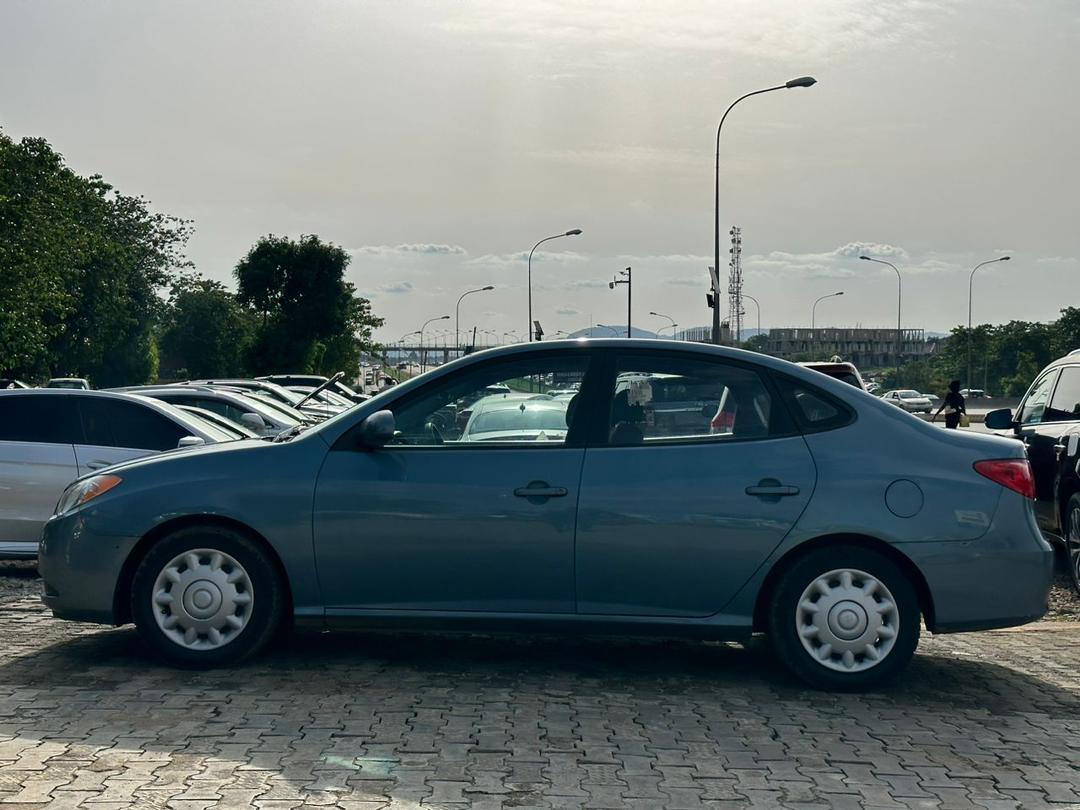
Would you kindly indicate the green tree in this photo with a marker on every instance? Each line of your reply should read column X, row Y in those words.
column 81, row 266
column 310, row 317
column 206, row 332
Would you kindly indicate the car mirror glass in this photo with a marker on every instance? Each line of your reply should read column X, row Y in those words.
column 1001, row 419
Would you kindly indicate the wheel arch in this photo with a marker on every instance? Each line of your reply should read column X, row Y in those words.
column 918, row 581
column 121, row 602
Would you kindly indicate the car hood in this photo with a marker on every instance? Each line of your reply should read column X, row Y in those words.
column 169, row 456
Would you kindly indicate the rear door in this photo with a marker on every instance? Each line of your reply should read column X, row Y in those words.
column 1050, row 443
column 116, row 431
column 675, row 515
column 37, row 460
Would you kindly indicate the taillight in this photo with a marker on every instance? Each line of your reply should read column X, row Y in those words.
column 1011, row 473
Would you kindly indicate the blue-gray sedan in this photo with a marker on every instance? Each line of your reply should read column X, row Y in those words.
column 694, row 490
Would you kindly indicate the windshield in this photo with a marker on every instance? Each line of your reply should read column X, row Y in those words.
column 527, row 419
column 194, row 424
column 910, row 395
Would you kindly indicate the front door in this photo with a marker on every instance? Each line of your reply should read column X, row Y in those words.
column 702, row 477
column 471, row 507
column 1041, row 435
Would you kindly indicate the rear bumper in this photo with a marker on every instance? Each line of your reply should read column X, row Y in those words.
column 1000, row 580
column 79, row 570
column 18, row 550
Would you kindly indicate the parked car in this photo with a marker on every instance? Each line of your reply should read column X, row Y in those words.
column 217, row 420
column 975, row 393
column 845, row 372
column 76, row 383
column 272, row 391
column 911, row 401
column 835, row 526
column 48, row 438
column 314, row 380
column 1047, row 421
column 11, row 383
column 873, row 387
column 509, row 419
column 256, row 415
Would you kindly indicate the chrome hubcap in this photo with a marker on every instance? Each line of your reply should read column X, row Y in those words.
column 202, row 599
column 847, row 620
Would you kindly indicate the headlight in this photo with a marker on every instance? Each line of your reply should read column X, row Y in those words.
column 84, row 491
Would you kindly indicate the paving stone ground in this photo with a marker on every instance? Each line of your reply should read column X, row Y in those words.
column 371, row 721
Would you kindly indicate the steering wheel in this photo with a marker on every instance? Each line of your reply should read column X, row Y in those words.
column 433, row 433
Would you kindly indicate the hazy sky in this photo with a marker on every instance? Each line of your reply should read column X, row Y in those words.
column 438, row 140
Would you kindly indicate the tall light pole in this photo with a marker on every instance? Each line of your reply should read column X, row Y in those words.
column 457, row 313
column 899, row 292
column 612, row 328
column 628, row 280
column 513, row 336
column 574, row 232
column 423, row 354
column 813, row 316
column 673, row 325
column 971, row 280
column 758, row 305
column 802, row 81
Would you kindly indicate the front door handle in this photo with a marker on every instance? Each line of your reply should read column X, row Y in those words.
column 771, row 488
column 540, row 489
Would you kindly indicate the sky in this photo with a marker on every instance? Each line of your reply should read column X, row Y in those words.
column 437, row 141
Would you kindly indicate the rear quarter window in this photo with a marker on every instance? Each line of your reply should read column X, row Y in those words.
column 814, row 410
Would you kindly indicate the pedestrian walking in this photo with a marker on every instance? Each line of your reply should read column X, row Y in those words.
column 954, row 407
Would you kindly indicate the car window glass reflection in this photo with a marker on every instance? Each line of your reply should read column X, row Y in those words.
column 509, row 403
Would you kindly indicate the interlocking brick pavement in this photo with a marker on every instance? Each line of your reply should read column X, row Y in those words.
column 412, row 722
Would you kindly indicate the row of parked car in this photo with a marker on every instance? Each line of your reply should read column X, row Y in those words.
column 52, row 435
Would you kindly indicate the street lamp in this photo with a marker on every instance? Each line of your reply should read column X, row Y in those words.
column 802, row 81
column 899, row 292
column 457, row 313
column 672, row 325
column 574, row 232
column 605, row 326
column 971, row 280
column 756, row 304
column 512, row 335
column 423, row 354
column 629, row 282
column 813, row 309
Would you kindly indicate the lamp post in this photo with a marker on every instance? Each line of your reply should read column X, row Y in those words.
column 756, row 304
column 612, row 328
column 802, row 81
column 574, row 232
column 971, row 280
column 899, row 292
column 512, row 335
column 673, row 326
column 628, row 280
column 423, row 354
column 457, row 313
column 813, row 315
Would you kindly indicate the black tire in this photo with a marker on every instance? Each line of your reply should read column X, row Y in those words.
column 261, row 616
column 1072, row 540
column 786, row 618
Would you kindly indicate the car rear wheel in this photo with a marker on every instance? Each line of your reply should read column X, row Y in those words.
column 1072, row 540
column 844, row 618
column 206, row 596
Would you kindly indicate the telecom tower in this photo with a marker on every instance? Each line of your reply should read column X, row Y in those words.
column 735, row 307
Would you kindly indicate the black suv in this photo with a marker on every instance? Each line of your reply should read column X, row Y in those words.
column 1048, row 422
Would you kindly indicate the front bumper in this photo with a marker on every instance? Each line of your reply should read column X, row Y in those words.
column 79, row 570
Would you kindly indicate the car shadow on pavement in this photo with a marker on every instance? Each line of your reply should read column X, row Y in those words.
column 939, row 676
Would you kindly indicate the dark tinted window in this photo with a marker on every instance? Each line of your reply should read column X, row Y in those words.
column 39, row 418
column 114, row 423
column 1065, row 404
column 813, row 408
column 1034, row 405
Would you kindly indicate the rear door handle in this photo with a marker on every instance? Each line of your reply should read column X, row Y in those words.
column 539, row 489
column 770, row 488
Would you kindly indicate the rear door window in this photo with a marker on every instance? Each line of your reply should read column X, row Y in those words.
column 41, row 418
column 1065, row 403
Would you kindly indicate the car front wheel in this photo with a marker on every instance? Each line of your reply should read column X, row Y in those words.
column 844, row 618
column 206, row 596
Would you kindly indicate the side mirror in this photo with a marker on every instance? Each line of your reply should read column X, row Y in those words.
column 1001, row 419
column 377, row 429
column 253, row 422
column 190, row 441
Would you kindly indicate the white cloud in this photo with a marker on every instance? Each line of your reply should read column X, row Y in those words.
column 566, row 309
column 521, row 258
column 396, row 287
column 421, row 248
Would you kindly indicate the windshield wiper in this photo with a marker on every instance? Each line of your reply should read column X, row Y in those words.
column 285, row 435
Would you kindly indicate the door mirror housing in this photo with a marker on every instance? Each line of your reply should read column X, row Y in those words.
column 377, row 429
column 1001, row 419
column 190, row 441
column 252, row 421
